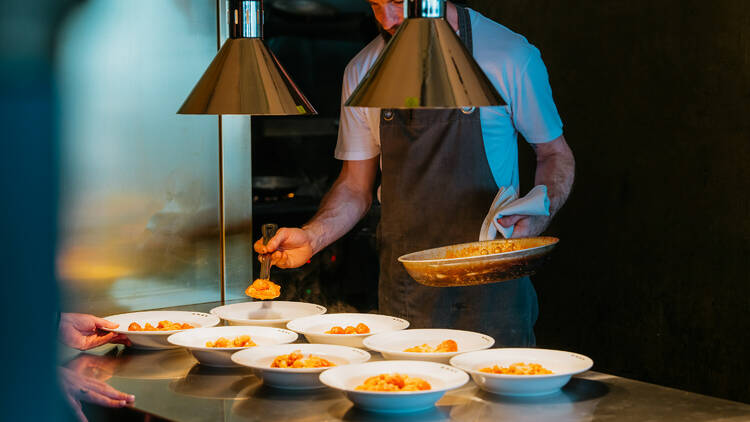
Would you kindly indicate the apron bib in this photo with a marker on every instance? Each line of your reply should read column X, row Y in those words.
column 436, row 189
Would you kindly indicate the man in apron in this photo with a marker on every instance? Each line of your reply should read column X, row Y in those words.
column 440, row 172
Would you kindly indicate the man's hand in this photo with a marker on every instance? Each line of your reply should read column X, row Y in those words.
column 526, row 225
column 84, row 332
column 290, row 248
column 77, row 388
column 555, row 168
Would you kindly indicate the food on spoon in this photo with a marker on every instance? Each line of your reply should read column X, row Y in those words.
column 161, row 326
column 263, row 289
column 446, row 346
column 518, row 368
column 241, row 341
column 394, row 382
column 361, row 328
column 297, row 360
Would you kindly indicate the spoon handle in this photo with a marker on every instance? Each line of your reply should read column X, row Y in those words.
column 268, row 231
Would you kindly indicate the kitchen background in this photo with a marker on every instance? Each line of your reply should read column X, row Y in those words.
column 650, row 278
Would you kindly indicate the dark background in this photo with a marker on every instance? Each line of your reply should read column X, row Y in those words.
column 651, row 277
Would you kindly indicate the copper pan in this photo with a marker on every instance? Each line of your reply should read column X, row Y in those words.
column 470, row 264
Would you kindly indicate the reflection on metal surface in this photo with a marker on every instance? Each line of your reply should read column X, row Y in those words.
column 216, row 383
column 153, row 364
column 425, row 65
column 275, row 404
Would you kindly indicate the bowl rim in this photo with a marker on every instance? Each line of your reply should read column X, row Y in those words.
column 213, row 318
column 259, row 349
column 405, row 259
column 588, row 360
column 216, row 311
column 401, row 321
column 461, row 373
column 368, row 343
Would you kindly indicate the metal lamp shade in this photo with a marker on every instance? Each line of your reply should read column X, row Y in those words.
column 246, row 78
column 425, row 65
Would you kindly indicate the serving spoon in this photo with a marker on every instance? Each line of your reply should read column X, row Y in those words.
column 268, row 230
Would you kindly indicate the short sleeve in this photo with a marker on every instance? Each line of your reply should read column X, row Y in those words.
column 356, row 140
column 534, row 112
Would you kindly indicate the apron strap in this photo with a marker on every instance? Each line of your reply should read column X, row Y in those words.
column 464, row 28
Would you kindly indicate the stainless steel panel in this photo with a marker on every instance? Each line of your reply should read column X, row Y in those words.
column 139, row 200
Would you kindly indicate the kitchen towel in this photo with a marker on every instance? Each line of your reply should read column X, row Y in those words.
column 507, row 202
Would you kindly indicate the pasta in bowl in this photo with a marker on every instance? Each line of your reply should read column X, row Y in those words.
column 394, row 386
column 429, row 344
column 150, row 329
column 297, row 366
column 214, row 346
column 521, row 372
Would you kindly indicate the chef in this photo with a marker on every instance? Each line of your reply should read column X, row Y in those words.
column 441, row 169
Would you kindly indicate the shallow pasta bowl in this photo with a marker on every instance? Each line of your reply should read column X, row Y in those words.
column 562, row 364
column 392, row 344
column 314, row 327
column 157, row 340
column 469, row 264
column 268, row 313
column 440, row 377
column 195, row 341
column 260, row 359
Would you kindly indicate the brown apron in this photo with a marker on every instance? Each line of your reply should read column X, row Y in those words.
column 436, row 189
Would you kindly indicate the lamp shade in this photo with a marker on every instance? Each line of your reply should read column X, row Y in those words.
column 425, row 65
column 245, row 77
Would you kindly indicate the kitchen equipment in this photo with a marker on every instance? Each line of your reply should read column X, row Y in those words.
column 425, row 65
column 474, row 263
column 274, row 188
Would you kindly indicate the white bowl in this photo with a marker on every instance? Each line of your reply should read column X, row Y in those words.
column 391, row 345
column 195, row 341
column 562, row 364
column 441, row 378
column 314, row 327
column 260, row 359
column 268, row 313
column 157, row 340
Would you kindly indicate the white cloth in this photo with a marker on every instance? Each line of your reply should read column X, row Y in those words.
column 506, row 202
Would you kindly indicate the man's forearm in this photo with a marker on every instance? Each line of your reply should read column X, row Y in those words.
column 556, row 169
column 340, row 210
column 344, row 205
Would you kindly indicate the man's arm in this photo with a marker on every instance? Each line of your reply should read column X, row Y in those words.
column 342, row 207
column 345, row 204
column 555, row 168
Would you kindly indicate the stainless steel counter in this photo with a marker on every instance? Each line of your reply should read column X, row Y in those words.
column 172, row 385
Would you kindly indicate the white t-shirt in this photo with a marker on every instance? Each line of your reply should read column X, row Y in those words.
column 514, row 67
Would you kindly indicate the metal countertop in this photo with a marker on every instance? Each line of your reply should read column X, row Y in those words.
column 171, row 384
